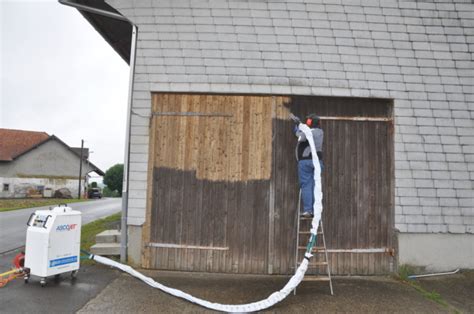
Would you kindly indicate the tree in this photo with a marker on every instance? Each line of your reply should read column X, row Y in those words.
column 113, row 178
column 106, row 192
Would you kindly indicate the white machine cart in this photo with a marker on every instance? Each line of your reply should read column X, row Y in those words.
column 53, row 241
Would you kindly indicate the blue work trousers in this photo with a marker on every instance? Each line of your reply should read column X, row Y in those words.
column 306, row 176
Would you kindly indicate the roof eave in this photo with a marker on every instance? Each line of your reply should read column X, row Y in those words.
column 109, row 23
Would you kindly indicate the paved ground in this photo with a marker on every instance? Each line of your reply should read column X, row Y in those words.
column 363, row 294
column 63, row 296
column 100, row 289
column 457, row 290
column 13, row 223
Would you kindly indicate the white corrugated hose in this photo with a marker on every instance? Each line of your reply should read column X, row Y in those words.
column 274, row 297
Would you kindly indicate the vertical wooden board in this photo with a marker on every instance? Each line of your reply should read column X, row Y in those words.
column 348, row 154
column 355, row 190
column 210, row 204
column 276, row 175
column 162, row 205
column 252, row 214
column 235, row 195
column 231, row 240
column 245, row 141
column 232, row 228
column 328, row 178
column 366, row 199
column 184, row 182
column 189, row 189
column 239, row 248
column 335, row 234
column 373, row 188
column 200, row 256
column 359, row 195
column 379, row 147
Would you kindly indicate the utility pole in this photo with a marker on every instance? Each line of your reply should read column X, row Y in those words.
column 80, row 171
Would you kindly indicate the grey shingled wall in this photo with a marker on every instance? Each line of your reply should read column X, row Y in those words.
column 419, row 53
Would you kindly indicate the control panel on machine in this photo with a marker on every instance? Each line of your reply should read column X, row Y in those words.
column 40, row 221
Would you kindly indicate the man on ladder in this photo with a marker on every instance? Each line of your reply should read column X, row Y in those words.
column 311, row 194
column 305, row 163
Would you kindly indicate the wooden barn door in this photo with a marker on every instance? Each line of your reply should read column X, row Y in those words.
column 223, row 186
column 358, row 196
column 210, row 173
column 358, row 188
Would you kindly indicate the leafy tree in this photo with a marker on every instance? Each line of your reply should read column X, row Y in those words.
column 113, row 178
column 106, row 192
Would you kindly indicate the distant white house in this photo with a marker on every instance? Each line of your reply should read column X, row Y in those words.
column 35, row 164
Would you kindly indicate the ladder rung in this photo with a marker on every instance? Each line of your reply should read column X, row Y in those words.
column 309, row 232
column 316, row 264
column 315, row 249
column 316, row 278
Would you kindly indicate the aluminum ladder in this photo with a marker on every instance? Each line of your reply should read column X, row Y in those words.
column 317, row 250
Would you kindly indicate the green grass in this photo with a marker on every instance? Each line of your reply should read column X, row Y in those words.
column 90, row 230
column 13, row 204
column 404, row 271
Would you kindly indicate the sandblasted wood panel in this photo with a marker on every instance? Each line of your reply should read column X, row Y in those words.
column 220, row 137
column 211, row 171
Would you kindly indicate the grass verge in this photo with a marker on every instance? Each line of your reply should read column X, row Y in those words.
column 405, row 271
column 90, row 230
column 13, row 204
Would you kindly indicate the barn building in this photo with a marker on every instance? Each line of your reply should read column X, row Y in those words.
column 212, row 176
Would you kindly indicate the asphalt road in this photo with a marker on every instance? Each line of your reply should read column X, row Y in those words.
column 61, row 295
column 13, row 223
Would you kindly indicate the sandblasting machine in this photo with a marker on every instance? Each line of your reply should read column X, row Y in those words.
column 53, row 241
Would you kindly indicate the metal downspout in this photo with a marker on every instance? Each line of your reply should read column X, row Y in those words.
column 126, row 167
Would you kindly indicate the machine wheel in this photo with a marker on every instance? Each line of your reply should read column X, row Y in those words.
column 74, row 274
column 43, row 282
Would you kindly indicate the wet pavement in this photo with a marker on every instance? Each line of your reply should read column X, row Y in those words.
column 59, row 296
column 355, row 294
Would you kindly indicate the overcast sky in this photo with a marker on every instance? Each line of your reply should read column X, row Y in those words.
column 59, row 76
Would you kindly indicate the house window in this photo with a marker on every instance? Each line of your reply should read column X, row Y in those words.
column 6, row 187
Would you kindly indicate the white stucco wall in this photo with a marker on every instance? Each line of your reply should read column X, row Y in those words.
column 18, row 187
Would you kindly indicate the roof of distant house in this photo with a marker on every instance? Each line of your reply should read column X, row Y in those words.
column 14, row 143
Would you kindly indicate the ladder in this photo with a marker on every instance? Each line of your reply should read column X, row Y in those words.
column 316, row 263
